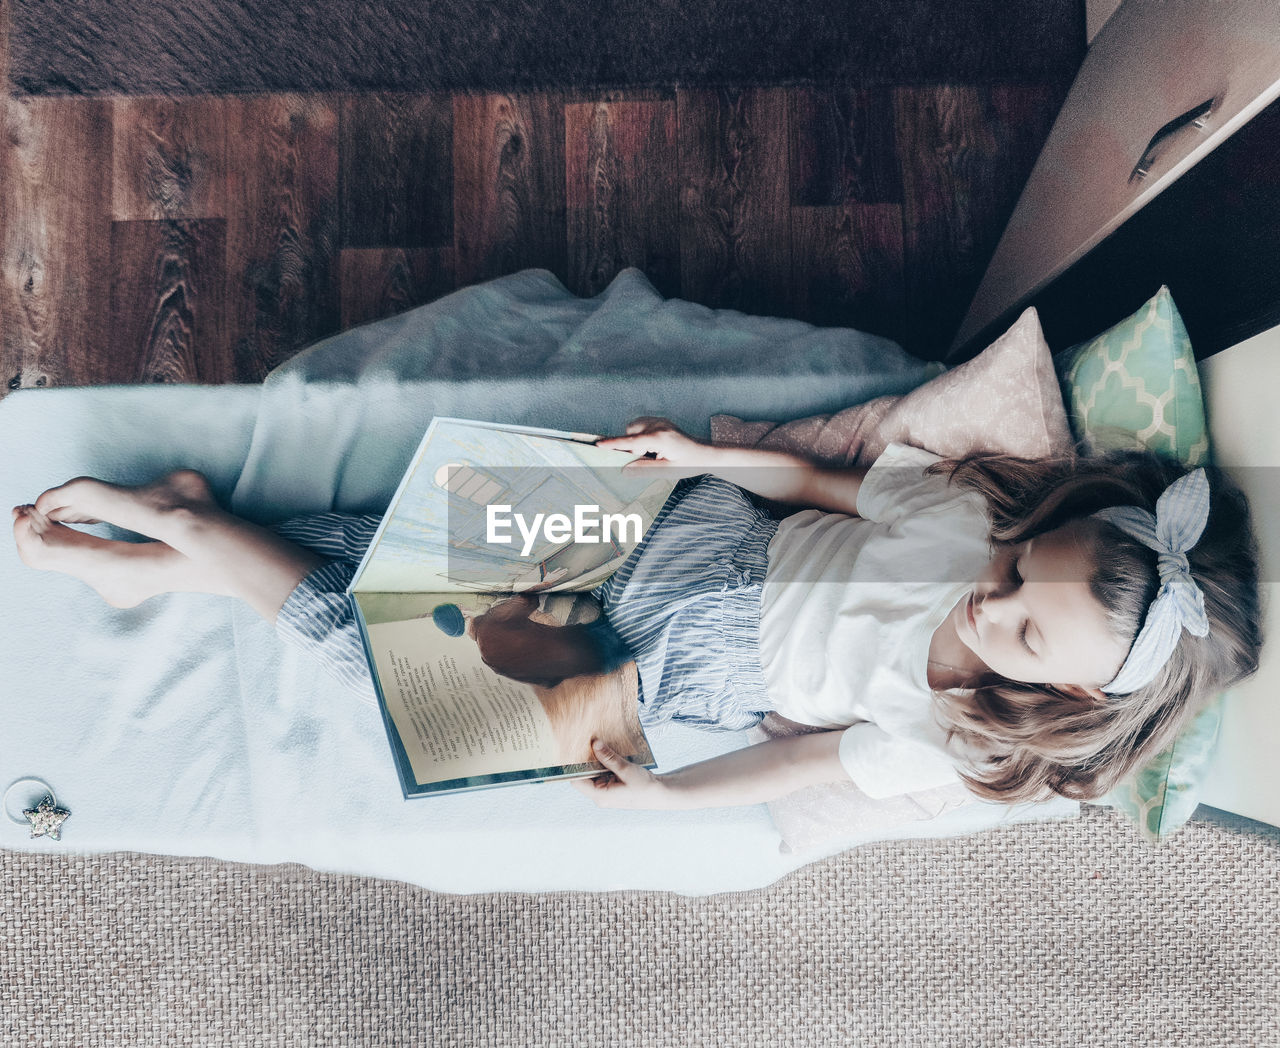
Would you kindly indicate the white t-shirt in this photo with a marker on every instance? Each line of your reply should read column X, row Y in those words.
column 849, row 606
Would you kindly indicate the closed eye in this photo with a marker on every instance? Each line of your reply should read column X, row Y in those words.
column 1016, row 576
column 1022, row 636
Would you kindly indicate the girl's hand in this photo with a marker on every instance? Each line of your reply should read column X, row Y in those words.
column 624, row 785
column 675, row 452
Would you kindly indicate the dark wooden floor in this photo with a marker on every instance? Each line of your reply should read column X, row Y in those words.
column 207, row 239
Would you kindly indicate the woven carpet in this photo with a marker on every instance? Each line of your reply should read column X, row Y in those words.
column 236, row 46
column 1073, row 933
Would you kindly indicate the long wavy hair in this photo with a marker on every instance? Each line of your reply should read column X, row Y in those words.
column 1030, row 741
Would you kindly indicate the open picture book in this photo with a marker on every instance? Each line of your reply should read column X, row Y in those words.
column 509, row 522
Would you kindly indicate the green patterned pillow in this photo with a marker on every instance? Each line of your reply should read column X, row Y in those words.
column 1162, row 795
column 1136, row 385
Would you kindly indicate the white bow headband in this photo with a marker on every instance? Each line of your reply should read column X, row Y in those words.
column 1181, row 514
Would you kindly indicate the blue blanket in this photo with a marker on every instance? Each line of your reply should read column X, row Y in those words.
column 341, row 420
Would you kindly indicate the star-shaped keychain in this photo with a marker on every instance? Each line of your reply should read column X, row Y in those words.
column 46, row 819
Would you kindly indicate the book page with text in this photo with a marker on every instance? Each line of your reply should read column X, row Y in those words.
column 457, row 717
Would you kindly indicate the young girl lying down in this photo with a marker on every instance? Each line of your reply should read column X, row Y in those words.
column 1029, row 628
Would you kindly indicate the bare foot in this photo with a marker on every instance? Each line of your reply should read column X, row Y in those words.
column 86, row 500
column 123, row 573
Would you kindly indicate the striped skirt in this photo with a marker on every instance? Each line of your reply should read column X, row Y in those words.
column 686, row 602
column 317, row 616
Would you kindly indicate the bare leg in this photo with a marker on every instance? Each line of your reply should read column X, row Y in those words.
column 124, row 574
column 199, row 547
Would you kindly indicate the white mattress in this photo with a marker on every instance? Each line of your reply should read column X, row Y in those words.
column 183, row 726
column 1240, row 401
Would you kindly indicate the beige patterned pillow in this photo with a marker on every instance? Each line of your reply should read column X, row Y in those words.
column 1006, row 399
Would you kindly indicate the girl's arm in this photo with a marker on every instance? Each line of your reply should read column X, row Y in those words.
column 751, row 775
column 777, row 475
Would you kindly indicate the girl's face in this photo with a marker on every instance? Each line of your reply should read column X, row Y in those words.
column 1030, row 615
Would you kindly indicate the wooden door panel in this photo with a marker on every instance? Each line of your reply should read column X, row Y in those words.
column 1154, row 61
